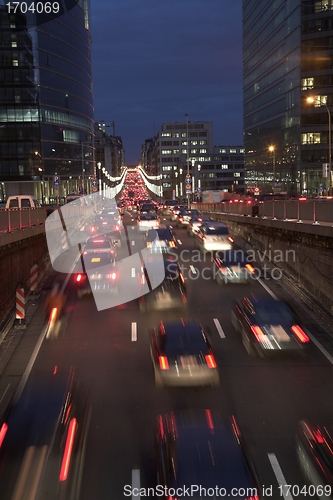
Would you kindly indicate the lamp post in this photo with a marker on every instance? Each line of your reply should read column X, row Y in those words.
column 272, row 150
column 41, row 173
column 312, row 100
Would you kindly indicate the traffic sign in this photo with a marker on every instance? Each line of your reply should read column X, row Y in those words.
column 94, row 189
column 56, row 181
column 188, row 187
column 94, row 183
column 188, row 178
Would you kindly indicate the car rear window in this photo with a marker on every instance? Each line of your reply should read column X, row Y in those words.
column 273, row 313
column 101, row 243
column 184, row 341
column 213, row 230
column 162, row 234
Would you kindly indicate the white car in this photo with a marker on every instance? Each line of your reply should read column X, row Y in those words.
column 214, row 237
column 148, row 220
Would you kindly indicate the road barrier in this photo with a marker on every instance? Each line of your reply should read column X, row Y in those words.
column 20, row 218
column 34, row 278
column 20, row 304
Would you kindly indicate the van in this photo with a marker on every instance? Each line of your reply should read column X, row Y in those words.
column 22, row 201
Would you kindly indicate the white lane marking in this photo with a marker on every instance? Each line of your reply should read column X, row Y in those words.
column 179, row 242
column 219, row 328
column 193, row 270
column 133, row 243
column 320, row 347
column 272, row 294
column 134, row 335
column 133, row 272
column 279, row 475
column 136, row 483
column 5, row 392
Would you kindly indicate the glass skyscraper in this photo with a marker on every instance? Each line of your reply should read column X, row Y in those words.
column 282, row 63
column 46, row 108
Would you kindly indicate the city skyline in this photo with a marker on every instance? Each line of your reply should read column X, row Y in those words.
column 143, row 79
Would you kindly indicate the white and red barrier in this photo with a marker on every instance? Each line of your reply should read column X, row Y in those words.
column 20, row 303
column 34, row 278
column 64, row 244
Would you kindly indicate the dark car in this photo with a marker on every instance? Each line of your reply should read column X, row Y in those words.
column 108, row 221
column 167, row 206
column 176, row 210
column 182, row 355
column 196, row 222
column 232, row 266
column 314, row 448
column 185, row 216
column 103, row 244
column 98, row 275
column 160, row 240
column 43, row 438
column 170, row 294
column 268, row 326
column 148, row 207
column 200, row 452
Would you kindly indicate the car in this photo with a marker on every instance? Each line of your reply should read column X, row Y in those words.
column 176, row 210
column 196, row 222
column 170, row 294
column 199, row 452
column 43, row 436
column 168, row 206
column 232, row 266
column 185, row 216
column 148, row 207
column 148, row 220
column 160, row 240
column 314, row 448
column 103, row 244
column 213, row 237
column 108, row 221
column 268, row 326
column 98, row 275
column 182, row 355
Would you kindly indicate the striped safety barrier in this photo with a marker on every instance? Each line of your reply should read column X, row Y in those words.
column 20, row 303
column 34, row 278
column 64, row 243
column 81, row 223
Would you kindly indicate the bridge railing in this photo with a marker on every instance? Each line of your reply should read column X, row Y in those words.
column 299, row 211
column 20, row 218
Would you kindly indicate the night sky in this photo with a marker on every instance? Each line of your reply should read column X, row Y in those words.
column 155, row 60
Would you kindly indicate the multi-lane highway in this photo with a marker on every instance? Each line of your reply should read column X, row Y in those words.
column 110, row 350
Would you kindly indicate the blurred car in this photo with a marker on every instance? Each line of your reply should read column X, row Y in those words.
column 232, row 266
column 268, row 326
column 43, row 438
column 170, row 294
column 168, row 206
column 314, row 448
column 196, row 222
column 176, row 210
column 98, row 275
column 148, row 220
column 107, row 222
column 103, row 244
column 200, row 449
column 185, row 216
column 148, row 207
column 182, row 355
column 213, row 237
column 160, row 240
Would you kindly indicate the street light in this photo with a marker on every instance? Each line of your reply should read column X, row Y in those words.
column 312, row 100
column 272, row 150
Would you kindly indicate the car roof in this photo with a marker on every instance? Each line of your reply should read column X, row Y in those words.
column 208, row 451
column 148, row 215
column 183, row 338
column 161, row 233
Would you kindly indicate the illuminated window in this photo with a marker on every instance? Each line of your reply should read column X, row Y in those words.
column 242, row 150
column 194, row 143
column 166, row 151
column 184, row 151
column 311, row 138
column 13, row 26
column 233, row 150
column 184, row 134
column 203, row 150
column 237, row 174
column 166, row 134
column 223, row 150
column 194, row 151
column 224, row 167
column 166, row 167
column 176, row 151
column 202, row 143
column 307, row 83
column 15, row 62
column 175, row 134
column 14, row 44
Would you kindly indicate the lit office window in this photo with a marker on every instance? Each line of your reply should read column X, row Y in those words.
column 176, row 151
column 237, row 174
column 242, row 150
column 311, row 138
column 175, row 134
column 223, row 150
column 166, row 134
column 202, row 143
column 166, row 151
column 184, row 134
column 14, row 44
column 307, row 83
column 194, row 151
column 203, row 150
column 15, row 62
column 194, row 143
column 184, row 151
column 232, row 150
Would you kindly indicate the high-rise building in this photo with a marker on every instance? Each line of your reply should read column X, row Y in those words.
column 287, row 57
column 46, row 100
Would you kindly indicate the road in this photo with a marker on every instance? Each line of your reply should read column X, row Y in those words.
column 110, row 349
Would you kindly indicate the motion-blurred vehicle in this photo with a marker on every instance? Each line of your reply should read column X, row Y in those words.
column 185, row 216
column 213, row 237
column 160, row 240
column 170, row 294
column 314, row 448
column 98, row 245
column 107, row 222
column 176, row 210
column 196, row 222
column 182, row 355
column 200, row 449
column 98, row 275
column 268, row 326
column 148, row 208
column 43, row 438
column 148, row 220
column 232, row 266
column 168, row 206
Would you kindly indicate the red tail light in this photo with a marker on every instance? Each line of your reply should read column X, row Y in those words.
column 181, row 218
column 164, row 363
column 317, row 434
column 79, row 278
column 230, row 239
column 249, row 268
column 68, row 450
column 209, row 418
column 172, row 244
column 117, row 228
column 210, row 360
column 113, row 276
column 223, row 269
column 302, row 336
column 259, row 334
column 92, row 229
column 3, row 431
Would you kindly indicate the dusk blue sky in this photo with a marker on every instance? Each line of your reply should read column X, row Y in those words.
column 155, row 60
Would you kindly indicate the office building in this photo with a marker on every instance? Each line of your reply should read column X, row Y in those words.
column 46, row 101
column 287, row 57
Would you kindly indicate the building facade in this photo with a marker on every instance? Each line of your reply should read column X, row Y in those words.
column 46, row 101
column 287, row 55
